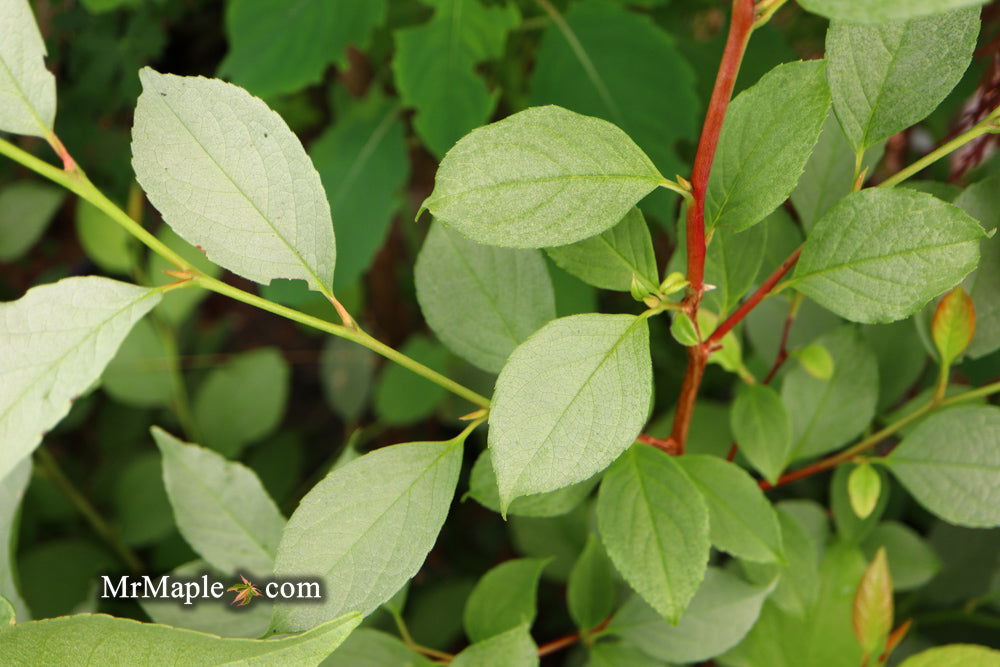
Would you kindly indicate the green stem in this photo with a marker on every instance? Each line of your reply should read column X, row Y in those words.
column 78, row 183
column 985, row 126
column 50, row 468
column 355, row 335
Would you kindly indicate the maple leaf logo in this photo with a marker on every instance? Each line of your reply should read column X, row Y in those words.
column 245, row 592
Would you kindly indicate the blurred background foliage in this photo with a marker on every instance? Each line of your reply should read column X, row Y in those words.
column 378, row 90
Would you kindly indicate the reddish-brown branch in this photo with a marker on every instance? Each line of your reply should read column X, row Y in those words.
column 740, row 27
column 697, row 360
column 665, row 444
column 755, row 298
column 569, row 640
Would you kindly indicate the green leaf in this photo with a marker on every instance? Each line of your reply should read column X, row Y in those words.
column 611, row 260
column 7, row 615
column 742, row 520
column 503, row 599
column 54, row 343
column 798, row 585
column 346, row 371
column 106, row 242
column 27, row 89
column 864, row 487
column 911, row 559
column 483, row 488
column 616, row 653
column 435, row 68
column 762, row 428
column 589, row 65
column 544, row 434
column 829, row 173
column 141, row 373
column 816, row 361
column 26, row 208
column 367, row 527
column 655, row 525
column 243, row 401
column 593, row 587
column 221, row 508
column 229, row 176
column 513, row 648
column 560, row 538
column 769, row 132
column 12, row 488
column 720, row 615
column 363, row 164
column 959, row 482
column 214, row 618
column 878, row 11
column 732, row 263
column 873, row 612
column 143, row 509
column 954, row 655
column 982, row 201
column 97, row 639
column 881, row 255
column 827, row 413
column 482, row 302
column 275, row 48
column 371, row 648
column 542, row 177
column 402, row 396
column 889, row 76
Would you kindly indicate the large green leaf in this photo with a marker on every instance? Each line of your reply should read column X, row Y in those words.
column 880, row 255
column 951, row 465
column 542, row 177
column 363, row 164
column 242, row 401
column 888, row 76
column 769, row 132
column 228, row 175
column 481, row 301
column 827, row 413
column 762, row 428
column 483, row 488
column 878, row 11
column 221, row 508
column 569, row 401
column 829, row 174
column 609, row 62
column 721, row 613
column 367, row 527
column 27, row 89
column 277, row 47
column 982, row 201
column 503, row 599
column 655, row 526
column 610, row 260
column 435, row 68
column 54, row 343
column 742, row 521
column 97, row 639
column 513, row 648
column 26, row 208
column 12, row 488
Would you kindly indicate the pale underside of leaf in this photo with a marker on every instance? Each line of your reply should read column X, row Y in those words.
column 27, row 89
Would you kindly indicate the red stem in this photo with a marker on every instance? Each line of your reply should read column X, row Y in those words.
column 697, row 360
column 740, row 27
column 755, row 298
column 569, row 640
